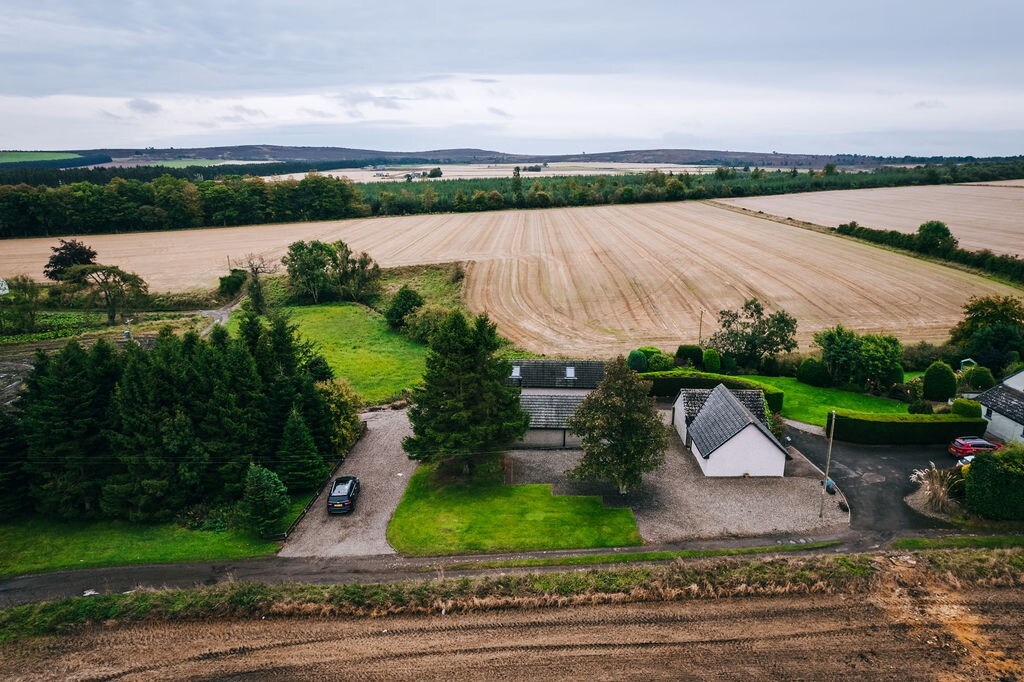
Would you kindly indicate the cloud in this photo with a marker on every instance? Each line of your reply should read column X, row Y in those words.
column 317, row 113
column 929, row 104
column 499, row 112
column 246, row 111
column 144, row 106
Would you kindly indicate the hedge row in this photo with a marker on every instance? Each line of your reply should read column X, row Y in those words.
column 668, row 384
column 903, row 429
column 995, row 484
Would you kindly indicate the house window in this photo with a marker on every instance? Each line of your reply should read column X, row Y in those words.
column 570, row 372
column 515, row 372
column 988, row 413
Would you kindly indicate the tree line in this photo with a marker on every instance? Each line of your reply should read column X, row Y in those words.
column 153, row 434
column 169, row 202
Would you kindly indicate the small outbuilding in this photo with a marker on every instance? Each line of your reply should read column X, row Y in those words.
column 1003, row 406
column 728, row 433
column 548, row 416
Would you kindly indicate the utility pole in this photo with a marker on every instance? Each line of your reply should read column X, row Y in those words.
column 700, row 329
column 828, row 461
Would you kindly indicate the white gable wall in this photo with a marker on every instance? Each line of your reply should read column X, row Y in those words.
column 1004, row 428
column 749, row 452
column 1016, row 381
column 679, row 416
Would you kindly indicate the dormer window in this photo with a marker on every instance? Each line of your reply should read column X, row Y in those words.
column 516, row 369
column 570, row 372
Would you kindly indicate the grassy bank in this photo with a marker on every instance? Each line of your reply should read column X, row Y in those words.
column 961, row 541
column 448, row 515
column 811, row 405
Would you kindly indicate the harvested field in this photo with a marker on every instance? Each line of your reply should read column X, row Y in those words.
column 594, row 281
column 912, row 634
column 981, row 215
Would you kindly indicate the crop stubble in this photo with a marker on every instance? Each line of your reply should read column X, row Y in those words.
column 980, row 215
column 594, row 281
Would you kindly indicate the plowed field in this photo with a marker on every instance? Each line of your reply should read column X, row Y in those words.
column 972, row 635
column 594, row 281
column 981, row 216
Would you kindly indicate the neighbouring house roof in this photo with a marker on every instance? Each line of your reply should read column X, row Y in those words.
column 752, row 399
column 722, row 417
column 1004, row 400
column 557, row 373
column 550, row 411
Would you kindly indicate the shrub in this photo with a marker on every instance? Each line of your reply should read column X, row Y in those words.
column 649, row 351
column 920, row 407
column 265, row 500
column 1012, row 369
column 668, row 384
column 729, row 364
column 939, row 382
column 966, row 408
column 995, row 484
column 903, row 429
column 977, row 379
column 813, row 373
column 421, row 323
column 900, row 392
column 660, row 362
column 637, row 361
column 939, row 486
column 231, row 284
column 711, row 360
column 690, row 355
column 895, row 376
column 405, row 301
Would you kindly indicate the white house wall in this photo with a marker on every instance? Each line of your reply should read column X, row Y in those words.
column 749, row 452
column 679, row 416
column 1015, row 382
column 1004, row 428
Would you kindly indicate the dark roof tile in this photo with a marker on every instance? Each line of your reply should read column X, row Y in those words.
column 550, row 411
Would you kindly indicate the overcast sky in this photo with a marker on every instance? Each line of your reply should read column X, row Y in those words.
column 872, row 77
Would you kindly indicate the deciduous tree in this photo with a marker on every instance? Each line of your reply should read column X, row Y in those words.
column 68, row 254
column 120, row 291
column 749, row 335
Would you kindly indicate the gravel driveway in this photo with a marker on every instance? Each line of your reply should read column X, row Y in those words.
column 383, row 469
column 678, row 502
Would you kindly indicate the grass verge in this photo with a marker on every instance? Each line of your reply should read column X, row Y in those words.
column 440, row 514
column 634, row 557
column 961, row 541
column 811, row 405
column 676, row 581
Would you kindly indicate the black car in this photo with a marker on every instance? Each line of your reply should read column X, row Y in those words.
column 342, row 497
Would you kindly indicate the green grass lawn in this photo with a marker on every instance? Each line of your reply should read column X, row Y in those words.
column 437, row 284
column 19, row 157
column 440, row 515
column 811, row 405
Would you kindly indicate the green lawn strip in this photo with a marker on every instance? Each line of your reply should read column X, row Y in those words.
column 712, row 578
column 961, row 541
column 21, row 157
column 359, row 346
column 438, row 516
column 37, row 545
column 631, row 557
column 811, row 405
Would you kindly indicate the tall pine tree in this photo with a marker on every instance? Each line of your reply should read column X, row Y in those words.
column 299, row 465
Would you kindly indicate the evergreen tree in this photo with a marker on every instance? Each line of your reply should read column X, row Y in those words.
column 464, row 408
column 342, row 405
column 622, row 434
column 298, row 464
column 14, row 481
column 404, row 302
column 264, row 501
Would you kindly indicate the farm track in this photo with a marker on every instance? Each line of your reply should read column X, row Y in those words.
column 596, row 281
column 902, row 628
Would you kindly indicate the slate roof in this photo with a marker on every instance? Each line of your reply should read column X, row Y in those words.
column 1004, row 400
column 721, row 418
column 552, row 374
column 752, row 399
column 550, row 411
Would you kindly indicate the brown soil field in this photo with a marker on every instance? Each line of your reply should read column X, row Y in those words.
column 904, row 630
column 981, row 216
column 593, row 281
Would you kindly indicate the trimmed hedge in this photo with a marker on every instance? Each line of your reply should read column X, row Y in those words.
column 690, row 353
column 668, row 385
column 966, row 408
column 903, row 429
column 995, row 484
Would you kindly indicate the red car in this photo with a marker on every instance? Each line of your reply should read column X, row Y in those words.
column 971, row 445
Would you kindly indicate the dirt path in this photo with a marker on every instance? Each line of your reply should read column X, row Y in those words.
column 383, row 470
column 784, row 637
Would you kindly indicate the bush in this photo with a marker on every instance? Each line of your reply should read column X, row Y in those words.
column 939, row 382
column 917, row 357
column 421, row 323
column 813, row 373
column 404, row 302
column 920, row 407
column 729, row 364
column 900, row 392
column 660, row 362
column 977, row 379
column 690, row 355
column 231, row 284
column 265, row 500
column 903, row 429
column 966, row 408
column 637, row 361
column 668, row 384
column 649, row 351
column 711, row 360
column 995, row 484
column 940, row 486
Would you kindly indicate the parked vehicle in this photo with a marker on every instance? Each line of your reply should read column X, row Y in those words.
column 971, row 445
column 343, row 495
column 964, row 461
